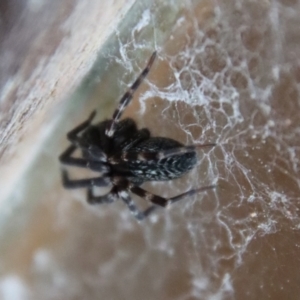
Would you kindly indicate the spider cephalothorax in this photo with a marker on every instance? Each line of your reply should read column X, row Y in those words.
column 126, row 157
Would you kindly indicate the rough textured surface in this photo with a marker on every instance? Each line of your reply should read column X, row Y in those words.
column 46, row 48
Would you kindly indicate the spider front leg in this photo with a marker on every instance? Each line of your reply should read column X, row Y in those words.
column 94, row 151
column 125, row 100
column 73, row 134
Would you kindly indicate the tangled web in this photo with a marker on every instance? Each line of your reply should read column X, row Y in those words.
column 235, row 81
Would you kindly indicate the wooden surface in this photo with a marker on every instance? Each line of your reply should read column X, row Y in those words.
column 46, row 48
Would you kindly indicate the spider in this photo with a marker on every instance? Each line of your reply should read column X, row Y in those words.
column 126, row 157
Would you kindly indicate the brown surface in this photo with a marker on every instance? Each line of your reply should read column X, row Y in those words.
column 238, row 242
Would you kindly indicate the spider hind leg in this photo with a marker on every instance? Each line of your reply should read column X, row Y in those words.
column 164, row 202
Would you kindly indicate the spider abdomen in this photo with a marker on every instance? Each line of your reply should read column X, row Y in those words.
column 164, row 169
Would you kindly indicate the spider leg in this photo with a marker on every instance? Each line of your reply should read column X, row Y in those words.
column 81, row 183
column 149, row 210
column 110, row 197
column 92, row 199
column 191, row 193
column 93, row 150
column 160, row 201
column 146, row 156
column 67, row 159
column 125, row 100
column 132, row 207
column 73, row 134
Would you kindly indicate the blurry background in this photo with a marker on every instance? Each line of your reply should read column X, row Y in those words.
column 227, row 73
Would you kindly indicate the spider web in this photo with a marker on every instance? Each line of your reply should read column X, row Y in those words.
column 229, row 74
column 239, row 76
column 231, row 81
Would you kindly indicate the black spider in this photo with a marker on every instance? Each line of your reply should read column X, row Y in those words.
column 126, row 157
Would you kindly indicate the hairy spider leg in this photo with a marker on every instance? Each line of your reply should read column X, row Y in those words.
column 142, row 215
column 158, row 155
column 127, row 97
column 121, row 188
column 73, row 134
column 163, row 202
column 82, row 183
column 67, row 159
column 93, row 150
